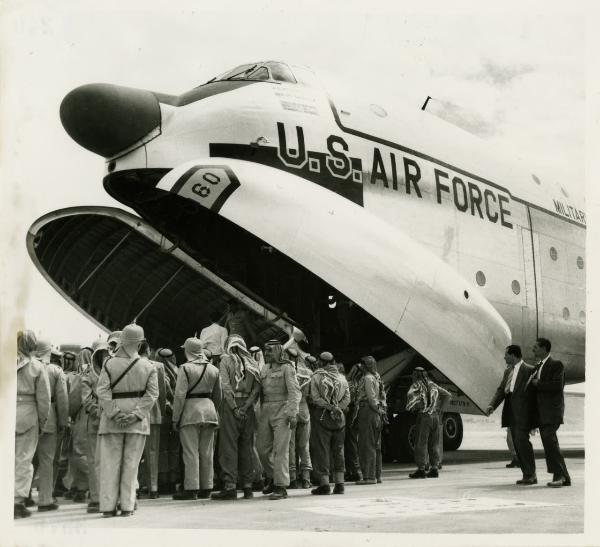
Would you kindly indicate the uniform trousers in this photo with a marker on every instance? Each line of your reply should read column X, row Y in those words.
column 299, row 451
column 273, row 443
column 25, row 446
column 78, row 466
column 369, row 440
column 427, row 442
column 554, row 459
column 93, row 461
column 120, row 455
column 236, row 441
column 151, row 453
column 197, row 443
column 328, row 451
column 351, row 449
column 46, row 452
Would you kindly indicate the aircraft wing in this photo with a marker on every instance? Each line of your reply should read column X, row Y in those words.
column 402, row 284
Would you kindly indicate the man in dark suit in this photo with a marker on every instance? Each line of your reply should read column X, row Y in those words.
column 548, row 382
column 518, row 411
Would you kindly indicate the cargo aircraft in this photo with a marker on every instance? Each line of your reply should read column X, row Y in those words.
column 375, row 229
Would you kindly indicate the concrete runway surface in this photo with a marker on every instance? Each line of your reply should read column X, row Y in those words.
column 474, row 494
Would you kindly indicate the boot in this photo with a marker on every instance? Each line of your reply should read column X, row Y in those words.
column 433, row 473
column 279, row 492
column 28, row 502
column 80, row 496
column 248, row 495
column 269, row 487
column 418, row 474
column 153, row 495
column 306, row 484
column 21, row 511
column 108, row 514
column 258, row 486
column 229, row 494
column 93, row 507
column 186, row 495
column 204, row 494
column 49, row 507
column 293, row 484
column 338, row 488
column 323, row 490
column 366, row 481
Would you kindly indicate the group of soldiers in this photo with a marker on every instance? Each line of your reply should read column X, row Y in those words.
column 266, row 419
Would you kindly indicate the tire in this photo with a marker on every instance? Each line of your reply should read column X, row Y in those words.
column 452, row 430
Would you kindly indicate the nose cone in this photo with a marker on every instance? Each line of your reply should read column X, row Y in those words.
column 106, row 118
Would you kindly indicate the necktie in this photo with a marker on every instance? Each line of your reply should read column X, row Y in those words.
column 538, row 370
column 509, row 379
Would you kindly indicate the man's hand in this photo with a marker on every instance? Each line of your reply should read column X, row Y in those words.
column 292, row 421
column 489, row 410
column 126, row 420
column 175, row 427
column 239, row 413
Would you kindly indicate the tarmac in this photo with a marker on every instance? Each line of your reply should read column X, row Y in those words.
column 474, row 494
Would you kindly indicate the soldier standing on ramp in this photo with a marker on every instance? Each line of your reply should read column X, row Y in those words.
column 280, row 399
column 127, row 389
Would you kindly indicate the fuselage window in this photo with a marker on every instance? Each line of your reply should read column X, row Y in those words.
column 553, row 253
column 480, row 278
column 516, row 286
column 580, row 262
column 566, row 313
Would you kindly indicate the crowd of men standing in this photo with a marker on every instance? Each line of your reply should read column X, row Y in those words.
column 260, row 419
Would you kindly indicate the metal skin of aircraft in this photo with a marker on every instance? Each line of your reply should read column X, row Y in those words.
column 376, row 231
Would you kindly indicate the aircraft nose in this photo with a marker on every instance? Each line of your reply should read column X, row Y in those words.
column 106, row 118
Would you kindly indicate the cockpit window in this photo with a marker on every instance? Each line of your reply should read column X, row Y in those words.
column 270, row 70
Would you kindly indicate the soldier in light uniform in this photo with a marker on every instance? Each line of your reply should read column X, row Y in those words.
column 353, row 471
column 240, row 379
column 280, row 395
column 300, row 436
column 152, row 446
column 197, row 397
column 58, row 419
column 127, row 389
column 330, row 397
column 89, row 396
column 33, row 407
column 372, row 409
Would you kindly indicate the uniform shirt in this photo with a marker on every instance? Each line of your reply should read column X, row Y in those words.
column 279, row 384
column 89, row 398
column 59, row 398
column 370, row 392
column 158, row 409
column 140, row 378
column 248, row 385
column 197, row 411
column 304, row 375
column 214, row 337
column 340, row 396
column 33, row 395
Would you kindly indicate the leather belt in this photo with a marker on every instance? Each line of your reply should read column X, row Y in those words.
column 239, row 394
column 273, row 399
column 128, row 394
column 25, row 397
column 198, row 396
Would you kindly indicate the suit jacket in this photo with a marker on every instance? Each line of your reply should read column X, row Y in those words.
column 549, row 395
column 520, row 412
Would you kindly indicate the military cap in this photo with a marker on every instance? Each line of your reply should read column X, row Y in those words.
column 310, row 359
column 193, row 346
column 114, row 336
column 132, row 333
column 165, row 352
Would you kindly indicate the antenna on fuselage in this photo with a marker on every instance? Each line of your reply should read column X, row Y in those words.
column 425, row 103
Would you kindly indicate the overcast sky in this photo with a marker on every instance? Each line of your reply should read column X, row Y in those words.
column 515, row 79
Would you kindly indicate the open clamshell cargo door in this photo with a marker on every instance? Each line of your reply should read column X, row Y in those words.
column 114, row 268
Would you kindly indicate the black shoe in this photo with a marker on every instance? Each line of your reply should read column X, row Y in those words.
column 93, row 507
column 293, row 485
column 108, row 514
column 28, row 502
column 224, row 495
column 248, row 495
column 258, row 486
column 338, row 488
column 306, row 484
column 527, row 481
column 433, row 473
column 560, row 482
column 21, row 511
column 80, row 497
column 418, row 474
column 269, row 487
column 126, row 513
column 204, row 494
column 153, row 495
column 323, row 490
column 378, row 480
column 186, row 495
column 512, row 464
column 49, row 507
column 279, row 493
column 363, row 482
